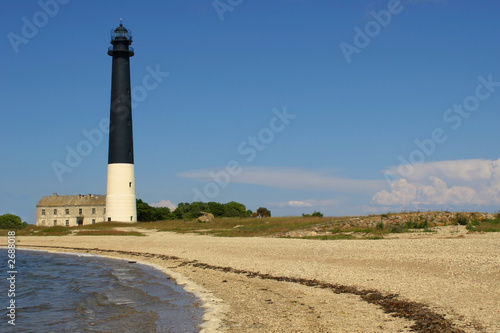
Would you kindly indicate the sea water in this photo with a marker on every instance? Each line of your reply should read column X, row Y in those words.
column 85, row 293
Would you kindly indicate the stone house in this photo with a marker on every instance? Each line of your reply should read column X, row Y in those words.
column 70, row 210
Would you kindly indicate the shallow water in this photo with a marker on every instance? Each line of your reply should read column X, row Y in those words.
column 83, row 293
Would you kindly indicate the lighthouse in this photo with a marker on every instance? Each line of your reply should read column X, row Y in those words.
column 120, row 193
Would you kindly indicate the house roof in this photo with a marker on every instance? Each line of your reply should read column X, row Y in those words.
column 72, row 200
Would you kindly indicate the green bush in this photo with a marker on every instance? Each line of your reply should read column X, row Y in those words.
column 11, row 221
column 462, row 219
column 315, row 214
column 484, row 226
column 398, row 228
column 263, row 212
column 423, row 224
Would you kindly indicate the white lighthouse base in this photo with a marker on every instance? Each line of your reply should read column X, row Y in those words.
column 120, row 195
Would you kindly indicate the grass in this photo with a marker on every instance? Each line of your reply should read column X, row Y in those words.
column 238, row 227
column 102, row 225
column 484, row 226
column 105, row 228
column 54, row 231
column 29, row 230
column 276, row 226
column 328, row 228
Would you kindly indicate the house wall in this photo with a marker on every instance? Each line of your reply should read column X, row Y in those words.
column 46, row 216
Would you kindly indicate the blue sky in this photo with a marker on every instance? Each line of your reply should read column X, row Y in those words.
column 343, row 107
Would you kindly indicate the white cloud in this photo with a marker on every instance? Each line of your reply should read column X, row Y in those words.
column 164, row 203
column 446, row 183
column 461, row 170
column 402, row 193
column 290, row 179
column 299, row 204
column 306, row 203
column 463, row 182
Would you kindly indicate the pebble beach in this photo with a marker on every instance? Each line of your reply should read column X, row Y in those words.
column 447, row 281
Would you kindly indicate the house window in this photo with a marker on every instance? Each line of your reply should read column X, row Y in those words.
column 93, row 221
column 55, row 222
column 80, row 211
column 67, row 223
column 67, row 211
column 43, row 211
column 93, row 210
column 55, row 211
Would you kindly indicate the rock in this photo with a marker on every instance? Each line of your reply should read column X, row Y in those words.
column 206, row 217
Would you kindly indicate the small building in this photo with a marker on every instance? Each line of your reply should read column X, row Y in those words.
column 70, row 210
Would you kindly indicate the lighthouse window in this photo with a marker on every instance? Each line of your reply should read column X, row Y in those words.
column 130, row 184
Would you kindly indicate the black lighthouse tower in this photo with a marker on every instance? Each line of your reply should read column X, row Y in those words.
column 120, row 196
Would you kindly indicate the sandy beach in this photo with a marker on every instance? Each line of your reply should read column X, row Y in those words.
column 449, row 278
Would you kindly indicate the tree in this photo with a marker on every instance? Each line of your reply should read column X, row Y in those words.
column 317, row 214
column 146, row 213
column 189, row 211
column 234, row 209
column 263, row 212
column 216, row 208
column 162, row 213
column 11, row 221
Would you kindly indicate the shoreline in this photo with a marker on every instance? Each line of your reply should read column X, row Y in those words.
column 274, row 285
column 213, row 308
